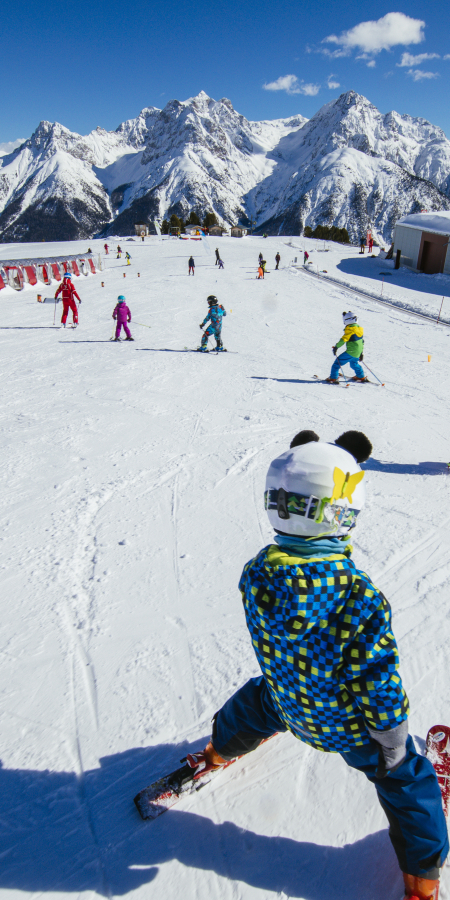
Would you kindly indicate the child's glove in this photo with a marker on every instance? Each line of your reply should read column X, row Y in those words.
column 334, row 351
column 361, row 357
column 201, row 325
column 392, row 747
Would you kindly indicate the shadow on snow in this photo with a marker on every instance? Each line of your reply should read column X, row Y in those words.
column 366, row 267
column 421, row 468
column 62, row 832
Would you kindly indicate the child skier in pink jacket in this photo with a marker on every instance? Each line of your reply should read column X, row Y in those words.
column 123, row 315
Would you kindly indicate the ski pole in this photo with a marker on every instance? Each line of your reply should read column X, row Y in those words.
column 141, row 323
column 439, row 316
column 54, row 314
column 343, row 374
column 373, row 373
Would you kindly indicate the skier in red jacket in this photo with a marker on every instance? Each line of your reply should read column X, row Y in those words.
column 68, row 293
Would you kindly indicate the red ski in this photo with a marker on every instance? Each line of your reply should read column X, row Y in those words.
column 438, row 752
column 160, row 796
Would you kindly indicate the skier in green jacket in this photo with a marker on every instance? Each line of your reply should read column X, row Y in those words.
column 354, row 341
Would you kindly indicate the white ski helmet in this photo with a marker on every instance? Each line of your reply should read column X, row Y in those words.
column 314, row 489
column 349, row 318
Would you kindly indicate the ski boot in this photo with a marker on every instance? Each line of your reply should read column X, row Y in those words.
column 332, row 380
column 205, row 761
column 129, row 339
column 417, row 888
column 361, row 380
column 202, row 349
column 116, row 339
column 219, row 346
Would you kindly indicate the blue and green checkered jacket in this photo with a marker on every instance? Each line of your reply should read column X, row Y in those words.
column 323, row 637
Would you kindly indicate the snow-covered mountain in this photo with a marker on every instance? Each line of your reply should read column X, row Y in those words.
column 349, row 165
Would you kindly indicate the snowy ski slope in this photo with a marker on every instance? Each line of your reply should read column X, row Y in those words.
column 132, row 495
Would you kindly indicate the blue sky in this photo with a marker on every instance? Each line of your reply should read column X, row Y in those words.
column 98, row 63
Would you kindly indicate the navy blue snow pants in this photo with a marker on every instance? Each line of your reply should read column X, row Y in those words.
column 410, row 795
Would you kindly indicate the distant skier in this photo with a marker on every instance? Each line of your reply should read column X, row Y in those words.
column 277, row 260
column 370, row 248
column 119, row 251
column 354, row 341
column 215, row 316
column 322, row 634
column 67, row 289
column 260, row 258
column 217, row 256
column 221, row 264
column 362, row 244
column 191, row 265
column 123, row 315
column 106, row 249
column 305, row 257
column 263, row 265
column 260, row 272
column 128, row 258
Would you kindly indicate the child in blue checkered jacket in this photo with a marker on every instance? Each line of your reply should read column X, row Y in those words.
column 322, row 634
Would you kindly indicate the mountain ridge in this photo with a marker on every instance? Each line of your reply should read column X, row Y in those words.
column 349, row 166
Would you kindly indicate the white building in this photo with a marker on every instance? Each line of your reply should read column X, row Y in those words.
column 421, row 242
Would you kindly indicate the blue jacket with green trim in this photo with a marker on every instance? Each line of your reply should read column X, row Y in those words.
column 323, row 638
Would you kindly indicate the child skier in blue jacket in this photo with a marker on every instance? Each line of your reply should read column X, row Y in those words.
column 323, row 638
column 215, row 316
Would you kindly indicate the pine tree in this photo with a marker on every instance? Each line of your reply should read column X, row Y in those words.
column 210, row 220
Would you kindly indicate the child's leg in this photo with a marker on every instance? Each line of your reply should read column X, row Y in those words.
column 245, row 720
column 73, row 307
column 411, row 799
column 205, row 337
column 126, row 330
column 118, row 329
column 357, row 368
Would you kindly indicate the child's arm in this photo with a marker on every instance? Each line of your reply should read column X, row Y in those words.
column 371, row 661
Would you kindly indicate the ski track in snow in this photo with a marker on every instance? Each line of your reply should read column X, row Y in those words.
column 133, row 479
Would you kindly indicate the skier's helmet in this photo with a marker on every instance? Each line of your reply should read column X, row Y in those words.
column 66, row 274
column 349, row 318
column 314, row 489
column 212, row 300
column 121, row 298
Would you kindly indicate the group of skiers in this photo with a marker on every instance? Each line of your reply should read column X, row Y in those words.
column 353, row 336
column 321, row 629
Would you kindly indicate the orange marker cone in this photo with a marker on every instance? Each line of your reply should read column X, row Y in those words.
column 103, row 284
column 429, row 358
column 124, row 274
column 139, row 274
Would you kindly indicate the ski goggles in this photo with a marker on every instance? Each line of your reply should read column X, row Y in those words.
column 289, row 503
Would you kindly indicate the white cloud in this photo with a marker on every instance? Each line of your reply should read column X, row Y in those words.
column 310, row 90
column 292, row 85
column 419, row 75
column 409, row 60
column 9, row 146
column 333, row 85
column 447, row 56
column 372, row 37
column 371, row 64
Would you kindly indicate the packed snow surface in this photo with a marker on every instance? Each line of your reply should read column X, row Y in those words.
column 133, row 479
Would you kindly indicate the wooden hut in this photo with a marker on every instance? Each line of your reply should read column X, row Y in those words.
column 421, row 242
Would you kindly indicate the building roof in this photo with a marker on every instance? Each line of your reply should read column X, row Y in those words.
column 438, row 222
